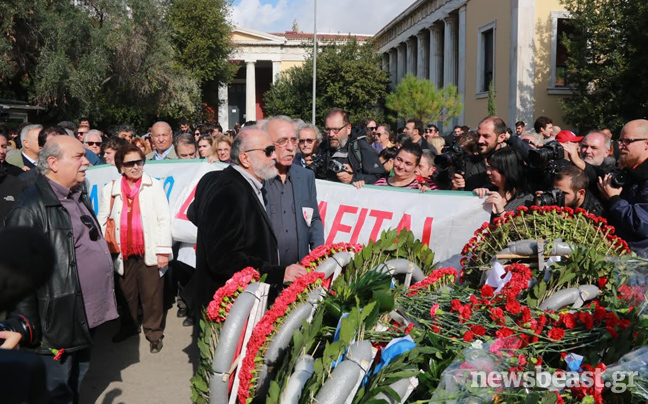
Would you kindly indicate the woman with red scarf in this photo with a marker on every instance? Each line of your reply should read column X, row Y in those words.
column 138, row 205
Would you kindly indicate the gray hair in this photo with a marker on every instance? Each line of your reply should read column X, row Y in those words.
column 51, row 149
column 428, row 155
column 27, row 129
column 240, row 143
column 68, row 125
column 310, row 126
column 90, row 133
column 282, row 118
column 608, row 141
column 185, row 139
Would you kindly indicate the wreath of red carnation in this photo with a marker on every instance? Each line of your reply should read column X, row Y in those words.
column 224, row 298
column 268, row 324
column 319, row 254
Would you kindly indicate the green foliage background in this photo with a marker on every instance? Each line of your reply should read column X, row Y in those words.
column 349, row 76
column 116, row 61
column 608, row 63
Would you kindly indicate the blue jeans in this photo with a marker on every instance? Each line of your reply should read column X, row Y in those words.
column 64, row 376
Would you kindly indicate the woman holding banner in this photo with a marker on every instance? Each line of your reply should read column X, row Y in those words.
column 138, row 207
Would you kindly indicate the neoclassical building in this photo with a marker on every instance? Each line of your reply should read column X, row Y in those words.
column 515, row 43
column 261, row 57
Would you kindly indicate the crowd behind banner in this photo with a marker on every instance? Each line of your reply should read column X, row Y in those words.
column 261, row 207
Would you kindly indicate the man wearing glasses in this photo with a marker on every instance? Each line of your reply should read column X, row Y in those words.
column 292, row 197
column 234, row 231
column 79, row 296
column 627, row 207
column 358, row 161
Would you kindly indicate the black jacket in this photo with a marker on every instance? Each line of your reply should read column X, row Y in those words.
column 358, row 153
column 10, row 189
column 234, row 232
column 628, row 212
column 56, row 310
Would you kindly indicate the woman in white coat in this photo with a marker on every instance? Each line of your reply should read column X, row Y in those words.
column 139, row 207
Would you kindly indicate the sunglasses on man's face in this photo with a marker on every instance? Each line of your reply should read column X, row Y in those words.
column 306, row 141
column 268, row 150
column 90, row 224
column 372, row 128
column 93, row 143
column 131, row 164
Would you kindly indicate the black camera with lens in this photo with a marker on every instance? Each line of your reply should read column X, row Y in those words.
column 542, row 157
column 318, row 163
column 451, row 156
column 552, row 197
column 17, row 324
column 619, row 178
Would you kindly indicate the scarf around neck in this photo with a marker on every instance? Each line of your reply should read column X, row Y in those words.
column 131, row 235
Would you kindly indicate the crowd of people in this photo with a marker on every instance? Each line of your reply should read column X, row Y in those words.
column 262, row 210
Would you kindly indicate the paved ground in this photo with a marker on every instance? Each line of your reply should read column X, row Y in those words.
column 127, row 373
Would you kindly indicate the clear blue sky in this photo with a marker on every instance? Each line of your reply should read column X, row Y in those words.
column 344, row 16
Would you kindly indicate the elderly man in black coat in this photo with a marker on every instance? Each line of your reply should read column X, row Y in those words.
column 234, row 231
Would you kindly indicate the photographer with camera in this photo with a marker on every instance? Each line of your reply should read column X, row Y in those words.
column 627, row 206
column 570, row 189
column 345, row 156
column 492, row 136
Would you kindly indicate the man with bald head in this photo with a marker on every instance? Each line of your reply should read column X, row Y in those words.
column 627, row 207
column 292, row 197
column 79, row 295
column 234, row 231
column 162, row 137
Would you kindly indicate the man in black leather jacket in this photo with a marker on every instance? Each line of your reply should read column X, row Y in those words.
column 79, row 295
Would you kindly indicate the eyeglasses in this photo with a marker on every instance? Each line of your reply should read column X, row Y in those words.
column 90, row 224
column 430, row 130
column 93, row 143
column 268, row 150
column 131, row 164
column 627, row 141
column 306, row 141
column 334, row 130
column 284, row 140
column 372, row 128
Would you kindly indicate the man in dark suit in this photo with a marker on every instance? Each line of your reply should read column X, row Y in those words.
column 292, row 197
column 234, row 230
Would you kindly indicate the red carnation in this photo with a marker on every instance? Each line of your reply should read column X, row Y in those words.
column 556, row 333
column 478, row 330
column 58, row 353
column 468, row 336
column 513, row 307
column 587, row 319
column 487, row 291
column 504, row 332
column 569, row 320
column 602, row 281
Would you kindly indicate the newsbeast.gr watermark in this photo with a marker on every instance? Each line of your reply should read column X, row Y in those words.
column 617, row 382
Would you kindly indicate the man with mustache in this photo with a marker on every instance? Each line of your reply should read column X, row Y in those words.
column 79, row 296
column 234, row 231
column 292, row 198
column 627, row 207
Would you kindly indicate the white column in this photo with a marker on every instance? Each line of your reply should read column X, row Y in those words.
column 393, row 68
column 450, row 55
column 522, row 73
column 250, row 92
column 411, row 56
column 450, row 51
column 423, row 57
column 276, row 69
column 436, row 55
column 461, row 80
column 401, row 62
column 223, row 107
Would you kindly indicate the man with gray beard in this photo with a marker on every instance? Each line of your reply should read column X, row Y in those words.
column 234, row 231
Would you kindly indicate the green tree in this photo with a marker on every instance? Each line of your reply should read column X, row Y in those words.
column 201, row 33
column 607, row 65
column 349, row 76
column 420, row 99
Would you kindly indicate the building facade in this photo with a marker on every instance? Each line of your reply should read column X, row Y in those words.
column 516, row 44
column 261, row 57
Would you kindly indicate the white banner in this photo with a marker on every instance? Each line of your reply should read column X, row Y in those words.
column 445, row 220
